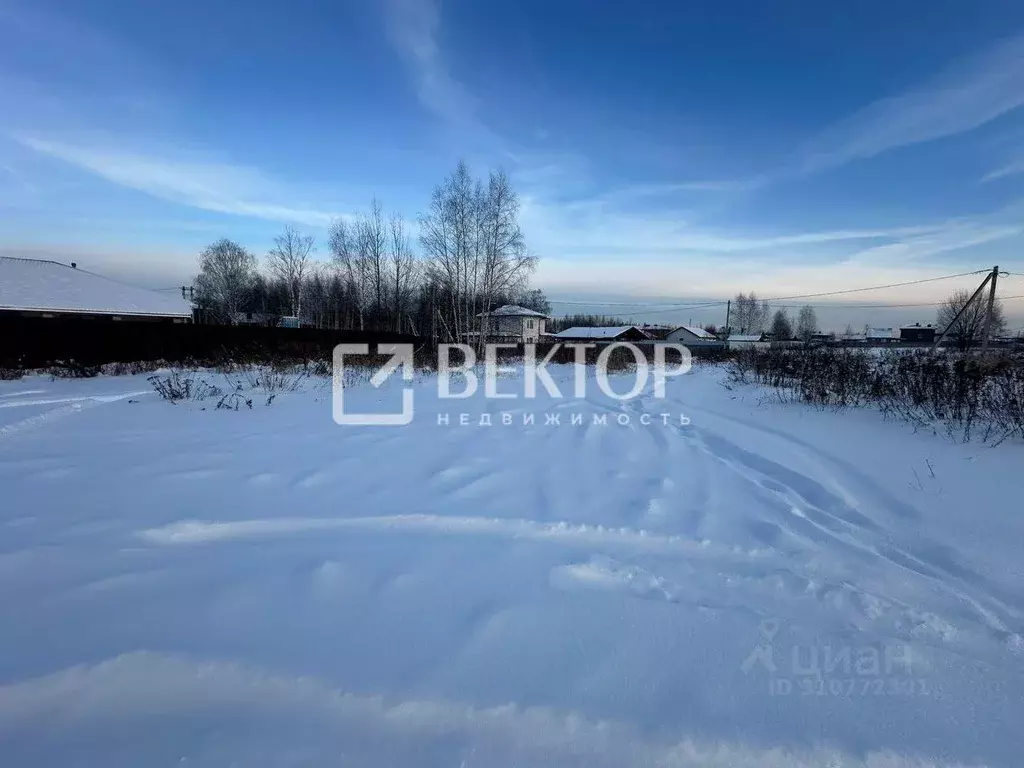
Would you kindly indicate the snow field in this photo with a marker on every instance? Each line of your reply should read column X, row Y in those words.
column 765, row 586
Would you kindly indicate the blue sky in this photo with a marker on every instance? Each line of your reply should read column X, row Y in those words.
column 660, row 149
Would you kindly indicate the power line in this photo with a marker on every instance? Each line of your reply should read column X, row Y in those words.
column 663, row 307
column 877, row 287
column 835, row 306
column 882, row 306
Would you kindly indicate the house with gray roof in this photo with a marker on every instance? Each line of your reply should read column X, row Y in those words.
column 44, row 288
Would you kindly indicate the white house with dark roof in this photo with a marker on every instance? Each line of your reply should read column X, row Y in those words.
column 691, row 335
column 513, row 323
column 42, row 288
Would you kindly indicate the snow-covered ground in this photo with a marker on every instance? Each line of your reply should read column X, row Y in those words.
column 768, row 585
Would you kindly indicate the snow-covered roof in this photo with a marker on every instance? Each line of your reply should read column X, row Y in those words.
column 511, row 310
column 600, row 332
column 700, row 333
column 49, row 286
column 881, row 333
column 745, row 337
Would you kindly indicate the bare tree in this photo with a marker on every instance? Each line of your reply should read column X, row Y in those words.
column 782, row 328
column 445, row 237
column 473, row 246
column 351, row 265
column 226, row 271
column 402, row 268
column 372, row 246
column 506, row 262
column 806, row 323
column 751, row 315
column 967, row 328
column 289, row 260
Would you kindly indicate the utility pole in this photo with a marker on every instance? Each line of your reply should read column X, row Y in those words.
column 990, row 276
column 988, row 310
column 728, row 308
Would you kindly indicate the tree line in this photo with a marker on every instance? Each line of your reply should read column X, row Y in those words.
column 472, row 258
column 753, row 315
column 965, row 319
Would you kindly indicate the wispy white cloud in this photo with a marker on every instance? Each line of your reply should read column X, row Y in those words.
column 210, row 186
column 656, row 253
column 704, row 278
column 414, row 27
column 596, row 228
column 971, row 92
column 1009, row 169
column 952, row 236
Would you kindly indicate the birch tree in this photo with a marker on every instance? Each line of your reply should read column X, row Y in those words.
column 289, row 261
column 751, row 314
column 401, row 267
column 473, row 247
column 350, row 263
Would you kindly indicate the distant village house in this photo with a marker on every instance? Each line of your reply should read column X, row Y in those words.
column 692, row 336
column 602, row 333
column 918, row 333
column 748, row 341
column 512, row 323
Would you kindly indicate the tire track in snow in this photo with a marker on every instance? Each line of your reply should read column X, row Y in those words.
column 860, row 536
column 832, row 523
column 190, row 532
column 71, row 405
column 108, row 707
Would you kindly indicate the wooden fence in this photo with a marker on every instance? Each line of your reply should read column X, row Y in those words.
column 34, row 342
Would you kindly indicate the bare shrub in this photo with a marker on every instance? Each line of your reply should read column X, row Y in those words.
column 131, row 368
column 270, row 379
column 72, row 369
column 10, row 374
column 233, row 401
column 180, row 385
column 965, row 397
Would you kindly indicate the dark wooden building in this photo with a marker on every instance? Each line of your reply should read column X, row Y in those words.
column 917, row 333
